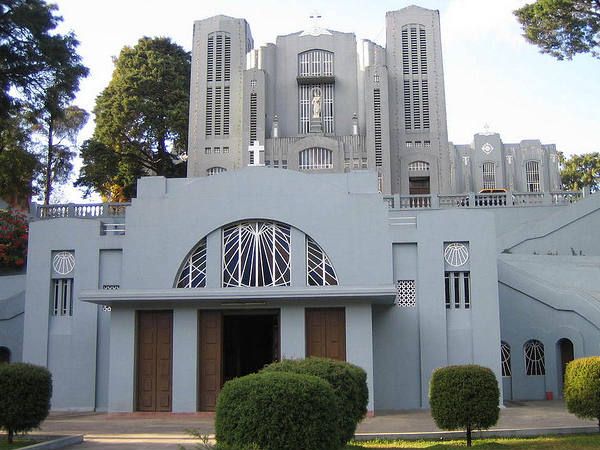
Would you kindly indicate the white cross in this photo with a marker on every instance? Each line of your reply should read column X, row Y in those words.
column 466, row 160
column 256, row 149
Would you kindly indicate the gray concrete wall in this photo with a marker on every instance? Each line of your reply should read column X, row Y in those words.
column 12, row 308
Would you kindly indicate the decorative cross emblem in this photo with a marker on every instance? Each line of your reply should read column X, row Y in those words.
column 256, row 150
column 466, row 160
column 509, row 159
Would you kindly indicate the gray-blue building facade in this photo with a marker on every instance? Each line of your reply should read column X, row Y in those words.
column 337, row 221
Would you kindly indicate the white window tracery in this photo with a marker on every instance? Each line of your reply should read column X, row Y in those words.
column 505, row 359
column 489, row 175
column 315, row 63
column 193, row 273
column 256, row 253
column 319, row 270
column 418, row 165
column 532, row 174
column 215, row 170
column 534, row 358
column 315, row 158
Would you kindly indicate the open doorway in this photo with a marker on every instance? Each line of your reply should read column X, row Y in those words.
column 232, row 344
column 565, row 355
column 249, row 343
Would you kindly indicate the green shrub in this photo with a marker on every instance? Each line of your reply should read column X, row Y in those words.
column 25, row 392
column 582, row 388
column 464, row 397
column 277, row 411
column 349, row 383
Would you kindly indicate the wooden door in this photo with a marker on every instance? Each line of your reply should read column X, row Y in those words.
column 210, row 351
column 326, row 333
column 418, row 186
column 154, row 360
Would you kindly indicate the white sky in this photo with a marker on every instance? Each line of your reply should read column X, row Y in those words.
column 491, row 74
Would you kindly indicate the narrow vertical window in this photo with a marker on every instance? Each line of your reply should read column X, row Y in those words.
column 405, row 63
column 209, row 111
column 423, row 50
column 219, row 58
column 377, row 127
column 253, row 117
column 467, row 290
column 489, row 175
column 505, row 359
column 218, row 109
column 226, row 99
column 62, row 297
column 210, row 58
column 456, row 276
column 532, row 175
column 407, row 105
column 227, row 75
column 534, row 358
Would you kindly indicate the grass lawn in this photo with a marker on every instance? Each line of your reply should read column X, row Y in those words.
column 584, row 441
column 16, row 444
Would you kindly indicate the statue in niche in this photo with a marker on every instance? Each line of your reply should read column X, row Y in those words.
column 316, row 102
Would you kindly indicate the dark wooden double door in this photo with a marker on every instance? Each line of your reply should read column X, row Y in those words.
column 154, row 360
column 228, row 346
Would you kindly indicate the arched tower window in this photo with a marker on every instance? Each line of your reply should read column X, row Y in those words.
column 534, row 358
column 418, row 165
column 489, row 175
column 315, row 158
column 319, row 270
column 215, row 170
column 505, row 358
column 532, row 176
column 256, row 253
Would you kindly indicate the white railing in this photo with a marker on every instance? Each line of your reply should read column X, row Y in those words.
column 472, row 200
column 81, row 211
column 414, row 201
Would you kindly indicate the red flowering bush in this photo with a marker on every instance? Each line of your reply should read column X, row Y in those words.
column 14, row 231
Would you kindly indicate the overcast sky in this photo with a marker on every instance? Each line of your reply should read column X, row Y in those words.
column 491, row 74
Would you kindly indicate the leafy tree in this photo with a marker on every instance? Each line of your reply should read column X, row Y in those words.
column 40, row 71
column 580, row 170
column 464, row 397
column 59, row 129
column 562, row 28
column 25, row 45
column 582, row 388
column 18, row 166
column 141, row 120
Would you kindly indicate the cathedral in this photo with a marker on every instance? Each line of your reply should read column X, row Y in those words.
column 325, row 213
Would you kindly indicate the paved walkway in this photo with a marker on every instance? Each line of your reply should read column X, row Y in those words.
column 166, row 431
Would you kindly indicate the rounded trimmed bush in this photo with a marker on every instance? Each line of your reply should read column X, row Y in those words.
column 277, row 411
column 464, row 397
column 25, row 397
column 582, row 387
column 349, row 383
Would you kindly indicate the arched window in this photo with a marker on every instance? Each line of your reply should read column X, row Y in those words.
column 418, row 165
column 315, row 63
column 534, row 358
column 505, row 358
column 319, row 270
column 215, row 170
column 532, row 176
column 489, row 175
column 315, row 158
column 193, row 273
column 256, row 253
